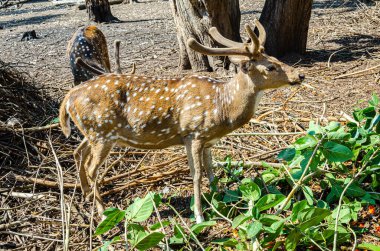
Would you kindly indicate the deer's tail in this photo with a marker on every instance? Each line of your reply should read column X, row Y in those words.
column 64, row 117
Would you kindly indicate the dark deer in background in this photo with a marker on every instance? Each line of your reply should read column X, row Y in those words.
column 89, row 45
column 155, row 113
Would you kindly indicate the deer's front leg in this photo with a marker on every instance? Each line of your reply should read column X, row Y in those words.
column 207, row 164
column 194, row 150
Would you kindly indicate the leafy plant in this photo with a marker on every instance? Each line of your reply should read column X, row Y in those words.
column 314, row 199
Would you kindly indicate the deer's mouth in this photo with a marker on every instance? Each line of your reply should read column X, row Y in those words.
column 295, row 83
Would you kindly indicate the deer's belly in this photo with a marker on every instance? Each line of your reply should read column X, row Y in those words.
column 154, row 142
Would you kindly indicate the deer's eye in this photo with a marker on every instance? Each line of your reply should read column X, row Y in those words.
column 271, row 68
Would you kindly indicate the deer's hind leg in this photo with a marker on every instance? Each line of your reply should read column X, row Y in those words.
column 82, row 157
column 99, row 152
column 207, row 164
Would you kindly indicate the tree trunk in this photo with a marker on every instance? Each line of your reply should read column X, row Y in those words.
column 99, row 11
column 287, row 25
column 193, row 18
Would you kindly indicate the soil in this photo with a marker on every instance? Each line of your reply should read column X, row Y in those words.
column 343, row 39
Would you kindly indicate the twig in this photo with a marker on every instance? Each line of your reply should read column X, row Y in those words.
column 266, row 134
column 30, row 129
column 62, row 199
column 22, row 205
column 186, row 226
column 42, row 182
column 247, row 163
column 30, row 236
column 357, row 72
column 159, row 219
column 14, row 224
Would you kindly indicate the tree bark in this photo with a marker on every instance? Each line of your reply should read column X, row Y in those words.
column 99, row 11
column 286, row 23
column 193, row 18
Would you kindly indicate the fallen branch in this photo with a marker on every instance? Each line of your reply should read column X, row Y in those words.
column 31, row 129
column 151, row 180
column 43, row 182
column 279, row 120
column 266, row 134
column 15, row 224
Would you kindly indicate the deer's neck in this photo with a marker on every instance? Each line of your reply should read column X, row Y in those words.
column 237, row 100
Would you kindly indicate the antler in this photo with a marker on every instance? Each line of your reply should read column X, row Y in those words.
column 242, row 51
column 234, row 48
column 255, row 44
column 222, row 40
column 117, row 56
column 262, row 32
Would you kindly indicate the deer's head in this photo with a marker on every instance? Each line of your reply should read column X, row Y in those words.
column 266, row 72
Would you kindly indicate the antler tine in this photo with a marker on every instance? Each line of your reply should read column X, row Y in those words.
column 79, row 61
column 133, row 68
column 255, row 40
column 262, row 32
column 193, row 44
column 117, row 56
column 213, row 31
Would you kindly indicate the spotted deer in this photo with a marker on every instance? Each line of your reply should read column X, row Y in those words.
column 88, row 54
column 156, row 113
column 88, row 43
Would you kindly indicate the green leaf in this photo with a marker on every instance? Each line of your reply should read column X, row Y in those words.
column 178, row 231
column 157, row 225
column 250, row 190
column 240, row 219
column 344, row 214
column 369, row 246
column 375, row 100
column 369, row 112
column 114, row 216
column 197, row 228
column 226, row 242
column 287, row 154
column 176, row 240
column 253, row 229
column 55, row 120
column 298, row 206
column 314, row 162
column 311, row 217
column 268, row 201
column 305, row 142
column 269, row 219
column 308, row 194
column 292, row 240
column 141, row 209
column 314, row 128
column 274, row 230
column 108, row 243
column 149, row 241
column 322, row 204
column 335, row 152
column 231, row 196
column 333, row 126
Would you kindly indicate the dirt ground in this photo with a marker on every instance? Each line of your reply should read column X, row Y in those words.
column 343, row 39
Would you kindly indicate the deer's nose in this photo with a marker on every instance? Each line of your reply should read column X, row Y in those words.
column 301, row 76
